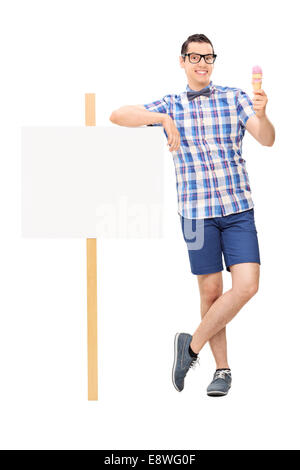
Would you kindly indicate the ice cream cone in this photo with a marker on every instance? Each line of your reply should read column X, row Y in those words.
column 256, row 85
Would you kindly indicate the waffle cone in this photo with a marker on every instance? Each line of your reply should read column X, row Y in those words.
column 256, row 85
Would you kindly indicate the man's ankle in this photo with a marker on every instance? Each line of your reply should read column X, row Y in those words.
column 192, row 353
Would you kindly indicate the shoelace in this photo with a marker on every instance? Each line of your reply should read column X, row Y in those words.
column 220, row 374
column 195, row 361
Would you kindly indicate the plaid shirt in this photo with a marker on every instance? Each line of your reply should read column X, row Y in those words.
column 211, row 175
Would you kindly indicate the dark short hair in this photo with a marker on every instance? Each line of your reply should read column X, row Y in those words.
column 195, row 38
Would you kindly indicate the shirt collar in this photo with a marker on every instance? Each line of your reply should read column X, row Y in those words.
column 211, row 86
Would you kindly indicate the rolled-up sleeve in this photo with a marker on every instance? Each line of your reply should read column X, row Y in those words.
column 159, row 106
column 244, row 107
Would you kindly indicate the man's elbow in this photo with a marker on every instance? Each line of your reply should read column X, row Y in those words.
column 265, row 144
column 270, row 144
column 114, row 117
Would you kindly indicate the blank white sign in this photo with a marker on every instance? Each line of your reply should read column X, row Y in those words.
column 92, row 182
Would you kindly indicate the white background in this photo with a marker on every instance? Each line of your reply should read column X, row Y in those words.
column 52, row 53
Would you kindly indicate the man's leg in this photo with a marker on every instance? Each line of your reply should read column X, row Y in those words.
column 245, row 282
column 211, row 288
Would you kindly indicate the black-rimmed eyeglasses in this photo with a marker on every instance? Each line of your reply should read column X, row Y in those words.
column 195, row 58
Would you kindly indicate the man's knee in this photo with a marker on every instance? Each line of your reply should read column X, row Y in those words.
column 246, row 290
column 245, row 279
column 211, row 291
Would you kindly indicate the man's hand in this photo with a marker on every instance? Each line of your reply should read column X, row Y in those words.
column 259, row 103
column 259, row 125
column 172, row 132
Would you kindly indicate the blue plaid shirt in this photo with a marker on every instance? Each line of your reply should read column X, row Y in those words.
column 211, row 175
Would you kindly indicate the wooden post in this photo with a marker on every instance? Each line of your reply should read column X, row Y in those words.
column 91, row 254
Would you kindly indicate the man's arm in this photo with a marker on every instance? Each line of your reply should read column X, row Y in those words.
column 259, row 125
column 261, row 129
column 136, row 115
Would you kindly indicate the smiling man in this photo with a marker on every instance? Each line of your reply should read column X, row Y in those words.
column 205, row 126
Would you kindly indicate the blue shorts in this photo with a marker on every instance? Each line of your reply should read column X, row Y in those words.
column 234, row 235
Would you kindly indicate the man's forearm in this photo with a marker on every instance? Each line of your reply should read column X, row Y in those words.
column 266, row 131
column 133, row 116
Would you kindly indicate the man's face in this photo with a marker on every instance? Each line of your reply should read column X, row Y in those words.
column 196, row 79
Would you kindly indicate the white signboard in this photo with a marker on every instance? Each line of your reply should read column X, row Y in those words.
column 92, row 182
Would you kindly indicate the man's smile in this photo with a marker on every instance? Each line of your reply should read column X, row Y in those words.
column 201, row 72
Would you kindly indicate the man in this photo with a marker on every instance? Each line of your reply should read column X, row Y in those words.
column 205, row 126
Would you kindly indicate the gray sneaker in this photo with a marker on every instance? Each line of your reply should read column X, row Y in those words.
column 182, row 359
column 220, row 384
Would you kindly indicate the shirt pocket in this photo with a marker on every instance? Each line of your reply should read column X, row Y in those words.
column 220, row 122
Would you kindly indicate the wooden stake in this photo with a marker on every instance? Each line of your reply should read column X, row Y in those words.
column 91, row 254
